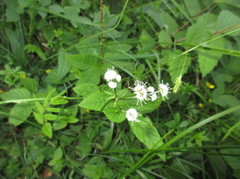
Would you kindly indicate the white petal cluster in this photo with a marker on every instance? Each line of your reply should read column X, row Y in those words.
column 164, row 89
column 112, row 77
column 152, row 94
column 143, row 93
column 132, row 115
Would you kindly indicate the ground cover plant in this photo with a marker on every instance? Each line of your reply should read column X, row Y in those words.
column 119, row 89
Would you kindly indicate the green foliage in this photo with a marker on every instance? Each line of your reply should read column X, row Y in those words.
column 62, row 116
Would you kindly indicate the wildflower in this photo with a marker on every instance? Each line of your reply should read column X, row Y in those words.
column 210, row 85
column 164, row 89
column 48, row 70
column 132, row 115
column 112, row 84
column 152, row 93
column 112, row 77
column 140, row 91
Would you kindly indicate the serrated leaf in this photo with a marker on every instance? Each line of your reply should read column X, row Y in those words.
column 115, row 115
column 95, row 101
column 193, row 7
column 227, row 19
column 47, row 129
column 164, row 38
column 208, row 59
column 197, row 33
column 19, row 113
column 146, row 132
column 17, row 93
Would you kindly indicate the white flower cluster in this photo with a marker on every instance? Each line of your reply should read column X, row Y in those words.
column 112, row 77
column 132, row 115
column 144, row 93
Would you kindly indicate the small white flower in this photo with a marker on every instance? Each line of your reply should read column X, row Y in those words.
column 153, row 96
column 110, row 75
column 132, row 115
column 164, row 89
column 150, row 89
column 118, row 78
column 112, row 84
column 140, row 91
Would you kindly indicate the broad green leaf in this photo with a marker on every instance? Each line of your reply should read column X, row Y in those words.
column 95, row 101
column 227, row 19
column 178, row 66
column 146, row 132
column 30, row 84
column 93, row 171
column 147, row 42
column 19, row 113
column 149, row 107
column 35, row 49
column 63, row 65
column 16, row 93
column 84, row 89
column 164, row 38
column 208, row 59
column 115, row 114
column 81, row 61
column 197, row 33
column 57, row 125
column 193, row 7
column 47, row 129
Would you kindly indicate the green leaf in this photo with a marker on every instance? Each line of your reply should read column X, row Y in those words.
column 19, row 113
column 164, row 38
column 30, row 84
column 16, row 93
column 63, row 65
column 197, row 33
column 146, row 132
column 95, row 101
column 35, row 49
column 84, row 145
column 178, row 66
column 57, row 125
column 58, row 154
column 39, row 117
column 47, row 129
column 149, row 107
column 57, row 100
column 227, row 19
column 50, row 117
column 84, row 89
column 115, row 114
column 193, row 7
column 208, row 59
